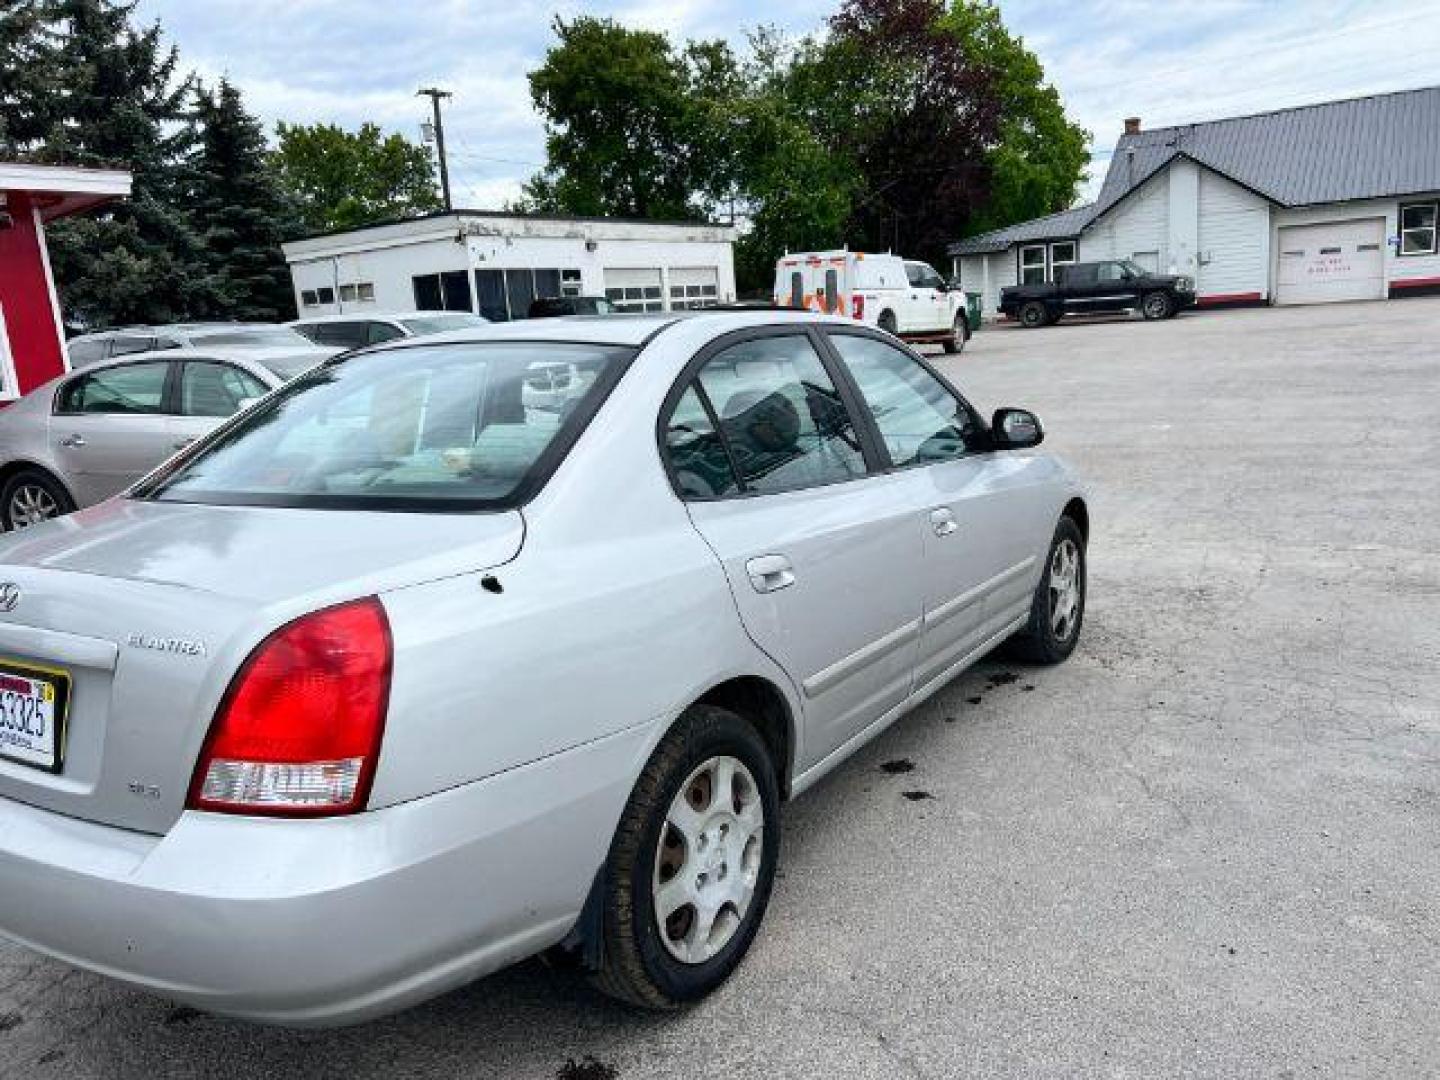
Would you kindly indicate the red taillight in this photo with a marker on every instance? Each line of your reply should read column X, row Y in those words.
column 859, row 306
column 298, row 732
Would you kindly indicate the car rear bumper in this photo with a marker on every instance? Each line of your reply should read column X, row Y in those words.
column 322, row 922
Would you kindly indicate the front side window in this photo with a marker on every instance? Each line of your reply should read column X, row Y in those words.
column 1111, row 272
column 448, row 428
column 1417, row 229
column 132, row 389
column 919, row 419
column 208, row 389
column 1032, row 265
column 781, row 418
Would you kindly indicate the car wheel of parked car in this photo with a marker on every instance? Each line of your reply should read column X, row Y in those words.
column 1156, row 305
column 886, row 322
column 692, row 863
column 956, row 341
column 31, row 496
column 1058, row 608
column 1033, row 315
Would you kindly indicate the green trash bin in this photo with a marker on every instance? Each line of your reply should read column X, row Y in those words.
column 972, row 311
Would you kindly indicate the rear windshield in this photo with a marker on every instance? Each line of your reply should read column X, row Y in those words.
column 437, row 324
column 439, row 427
column 265, row 337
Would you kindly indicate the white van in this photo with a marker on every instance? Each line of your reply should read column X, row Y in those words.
column 908, row 299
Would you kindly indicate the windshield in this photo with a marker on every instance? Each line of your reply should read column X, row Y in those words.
column 261, row 337
column 437, row 324
column 441, row 427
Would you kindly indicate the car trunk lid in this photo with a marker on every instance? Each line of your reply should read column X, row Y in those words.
column 149, row 609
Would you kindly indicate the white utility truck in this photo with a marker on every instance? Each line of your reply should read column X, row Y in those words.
column 906, row 298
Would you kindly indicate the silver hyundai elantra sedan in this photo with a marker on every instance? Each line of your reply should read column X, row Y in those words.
column 409, row 671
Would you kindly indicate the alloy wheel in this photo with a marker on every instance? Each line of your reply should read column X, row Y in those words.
column 31, row 504
column 1064, row 589
column 708, row 860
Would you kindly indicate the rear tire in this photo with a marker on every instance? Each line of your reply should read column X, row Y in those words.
column 32, row 496
column 1156, row 305
column 956, row 341
column 886, row 322
column 1057, row 610
column 1033, row 315
column 708, row 854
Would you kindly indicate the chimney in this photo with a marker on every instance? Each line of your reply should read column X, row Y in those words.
column 1132, row 125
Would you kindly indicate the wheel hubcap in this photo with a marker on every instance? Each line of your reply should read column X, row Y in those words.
column 709, row 859
column 1064, row 589
column 31, row 505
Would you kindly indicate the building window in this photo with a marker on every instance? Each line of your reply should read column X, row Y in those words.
column 1417, row 229
column 347, row 294
column 325, row 295
column 1062, row 253
column 449, row 291
column 308, row 298
column 570, row 283
column 1032, row 265
column 367, row 291
column 507, row 294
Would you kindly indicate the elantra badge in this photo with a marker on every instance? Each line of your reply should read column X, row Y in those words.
column 179, row 646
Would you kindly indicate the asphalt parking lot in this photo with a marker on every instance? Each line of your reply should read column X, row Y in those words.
column 1208, row 845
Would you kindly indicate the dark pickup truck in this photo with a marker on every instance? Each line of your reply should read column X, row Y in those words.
column 1113, row 285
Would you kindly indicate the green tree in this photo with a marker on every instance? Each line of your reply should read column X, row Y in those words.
column 27, row 100
column 117, row 98
column 240, row 212
column 630, row 122
column 1038, row 163
column 341, row 179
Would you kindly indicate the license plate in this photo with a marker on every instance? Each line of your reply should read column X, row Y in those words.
column 33, row 707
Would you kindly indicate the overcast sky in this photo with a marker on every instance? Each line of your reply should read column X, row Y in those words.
column 348, row 61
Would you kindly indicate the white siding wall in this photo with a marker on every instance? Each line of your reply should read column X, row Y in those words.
column 1234, row 240
column 973, row 278
column 1398, row 268
column 1137, row 225
column 389, row 269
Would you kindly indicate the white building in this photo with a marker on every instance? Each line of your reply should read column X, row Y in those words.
column 1337, row 201
column 494, row 263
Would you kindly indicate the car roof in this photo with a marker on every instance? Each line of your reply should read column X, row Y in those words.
column 622, row 329
column 250, row 359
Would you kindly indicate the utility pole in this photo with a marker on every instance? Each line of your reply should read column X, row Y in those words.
column 435, row 95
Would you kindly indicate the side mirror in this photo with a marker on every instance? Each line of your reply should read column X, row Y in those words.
column 1016, row 429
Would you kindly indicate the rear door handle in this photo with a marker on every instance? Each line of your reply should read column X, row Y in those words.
column 73, row 440
column 770, row 573
column 943, row 521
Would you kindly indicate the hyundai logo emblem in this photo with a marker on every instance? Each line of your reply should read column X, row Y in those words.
column 9, row 595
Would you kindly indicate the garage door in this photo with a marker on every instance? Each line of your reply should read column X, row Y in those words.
column 694, row 287
column 1339, row 260
column 632, row 289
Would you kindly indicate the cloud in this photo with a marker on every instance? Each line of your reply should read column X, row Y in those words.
column 347, row 61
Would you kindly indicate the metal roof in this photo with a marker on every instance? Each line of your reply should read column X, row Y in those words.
column 1051, row 227
column 1360, row 148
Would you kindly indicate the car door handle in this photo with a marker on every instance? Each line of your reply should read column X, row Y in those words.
column 770, row 573
column 73, row 440
column 943, row 521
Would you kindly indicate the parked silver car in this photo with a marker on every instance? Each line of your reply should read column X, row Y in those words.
column 392, row 680
column 374, row 328
column 87, row 435
column 265, row 339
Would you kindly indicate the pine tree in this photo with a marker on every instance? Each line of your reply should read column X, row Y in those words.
column 125, row 104
column 27, row 101
column 240, row 212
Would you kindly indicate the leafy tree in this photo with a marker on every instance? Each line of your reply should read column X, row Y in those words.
column 630, row 122
column 240, row 213
column 113, row 95
column 1039, row 161
column 344, row 179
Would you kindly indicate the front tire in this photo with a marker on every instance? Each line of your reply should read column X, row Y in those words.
column 692, row 864
column 1033, row 315
column 887, row 322
column 956, row 341
column 1157, row 305
column 1057, row 610
column 32, row 496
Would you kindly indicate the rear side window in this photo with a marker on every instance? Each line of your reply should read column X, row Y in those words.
column 133, row 389
column 699, row 460
column 797, row 290
column 216, row 389
column 82, row 353
column 780, row 419
column 438, row 428
column 125, row 345
column 339, row 335
column 920, row 421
